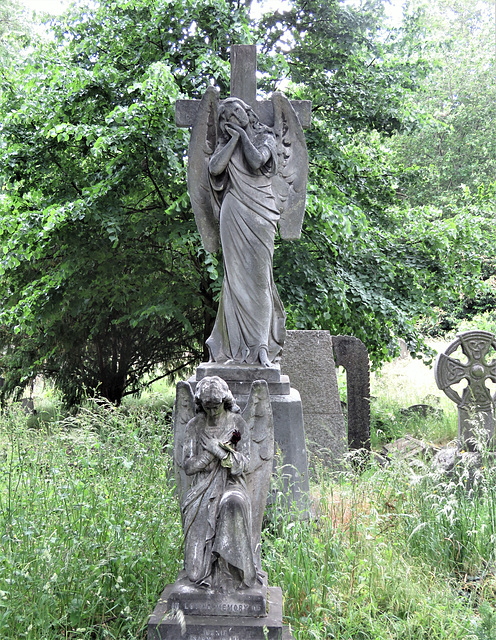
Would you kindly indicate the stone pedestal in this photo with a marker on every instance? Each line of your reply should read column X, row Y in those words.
column 289, row 431
column 224, row 617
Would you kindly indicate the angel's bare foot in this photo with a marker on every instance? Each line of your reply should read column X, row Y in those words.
column 263, row 356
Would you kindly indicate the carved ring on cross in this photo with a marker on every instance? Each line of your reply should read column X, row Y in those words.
column 449, row 371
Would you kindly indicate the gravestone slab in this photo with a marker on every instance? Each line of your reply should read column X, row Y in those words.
column 422, row 411
column 308, row 358
column 351, row 353
column 408, row 447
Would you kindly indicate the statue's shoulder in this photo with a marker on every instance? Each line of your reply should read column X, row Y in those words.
column 195, row 424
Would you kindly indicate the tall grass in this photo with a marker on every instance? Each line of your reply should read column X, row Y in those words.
column 89, row 524
column 397, row 386
column 90, row 531
column 350, row 573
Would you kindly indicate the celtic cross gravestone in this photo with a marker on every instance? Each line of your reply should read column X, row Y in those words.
column 475, row 404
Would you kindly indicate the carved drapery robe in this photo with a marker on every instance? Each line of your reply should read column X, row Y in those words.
column 250, row 315
column 217, row 510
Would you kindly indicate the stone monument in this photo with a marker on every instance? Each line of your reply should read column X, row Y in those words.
column 247, row 175
column 223, row 461
column 352, row 354
column 308, row 355
column 475, row 404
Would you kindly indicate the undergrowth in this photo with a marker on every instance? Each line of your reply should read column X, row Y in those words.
column 88, row 525
column 90, row 532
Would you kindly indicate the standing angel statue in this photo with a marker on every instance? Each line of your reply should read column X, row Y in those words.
column 246, row 178
column 223, row 464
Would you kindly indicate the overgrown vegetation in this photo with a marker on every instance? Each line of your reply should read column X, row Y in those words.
column 90, row 524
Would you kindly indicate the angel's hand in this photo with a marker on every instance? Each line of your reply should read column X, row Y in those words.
column 233, row 130
column 235, row 126
column 212, row 445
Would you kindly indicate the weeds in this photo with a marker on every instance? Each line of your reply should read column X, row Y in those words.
column 89, row 525
column 90, row 532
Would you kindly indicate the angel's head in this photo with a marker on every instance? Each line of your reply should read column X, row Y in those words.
column 235, row 110
column 212, row 392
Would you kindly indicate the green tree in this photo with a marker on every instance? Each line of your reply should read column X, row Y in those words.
column 103, row 275
column 454, row 147
column 367, row 265
column 451, row 154
column 15, row 29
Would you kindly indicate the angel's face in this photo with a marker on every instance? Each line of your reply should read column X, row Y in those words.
column 237, row 114
column 212, row 395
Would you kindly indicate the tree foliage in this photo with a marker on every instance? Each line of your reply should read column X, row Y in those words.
column 103, row 277
column 367, row 265
column 454, row 146
column 452, row 151
column 15, row 29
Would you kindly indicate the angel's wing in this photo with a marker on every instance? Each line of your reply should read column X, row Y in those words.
column 258, row 417
column 289, row 185
column 184, row 411
column 201, row 146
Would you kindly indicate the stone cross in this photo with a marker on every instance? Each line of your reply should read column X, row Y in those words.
column 244, row 86
column 475, row 405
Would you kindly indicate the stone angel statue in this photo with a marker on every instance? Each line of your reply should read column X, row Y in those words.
column 245, row 179
column 223, row 461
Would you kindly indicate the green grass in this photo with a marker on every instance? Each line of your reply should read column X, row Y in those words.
column 90, row 529
column 399, row 385
column 89, row 524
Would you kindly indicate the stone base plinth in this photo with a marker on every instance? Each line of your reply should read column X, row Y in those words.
column 198, row 601
column 170, row 624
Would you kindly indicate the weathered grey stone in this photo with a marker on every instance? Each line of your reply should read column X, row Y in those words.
column 351, row 353
column 244, row 179
column 308, row 359
column 187, row 111
column 200, row 601
column 404, row 353
column 167, row 624
column 224, row 466
column 446, row 459
column 289, row 431
column 409, row 447
column 422, row 411
column 27, row 405
column 455, row 463
column 476, row 424
column 239, row 372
